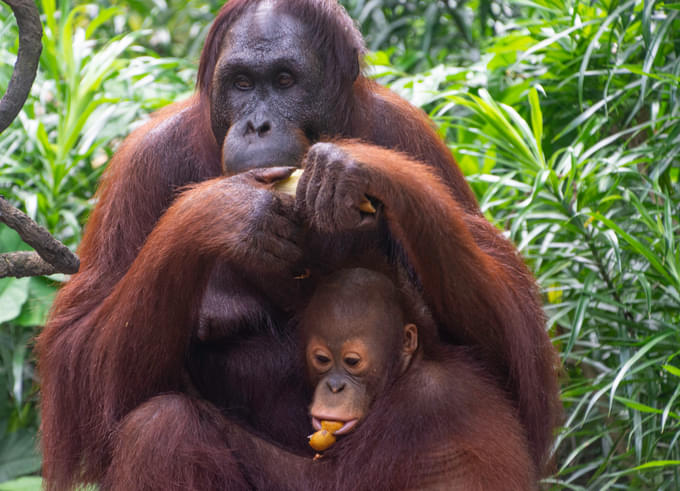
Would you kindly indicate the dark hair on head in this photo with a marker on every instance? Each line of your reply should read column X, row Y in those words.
column 333, row 35
column 368, row 271
column 226, row 17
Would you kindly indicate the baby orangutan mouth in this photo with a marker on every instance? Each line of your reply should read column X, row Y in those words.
column 327, row 432
column 345, row 426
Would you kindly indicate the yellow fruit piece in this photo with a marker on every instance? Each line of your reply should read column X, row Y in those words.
column 321, row 440
column 366, row 206
column 324, row 438
column 332, row 426
column 289, row 184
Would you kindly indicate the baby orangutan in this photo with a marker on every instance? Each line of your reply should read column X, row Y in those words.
column 377, row 374
column 409, row 413
column 357, row 342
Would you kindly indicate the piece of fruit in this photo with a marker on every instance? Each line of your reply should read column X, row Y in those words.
column 332, row 426
column 324, row 438
column 366, row 206
column 321, row 440
column 289, row 186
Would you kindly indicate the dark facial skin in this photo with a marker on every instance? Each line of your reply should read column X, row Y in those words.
column 356, row 344
column 268, row 97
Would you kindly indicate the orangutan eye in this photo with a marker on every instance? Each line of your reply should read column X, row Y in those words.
column 241, row 82
column 322, row 359
column 285, row 80
column 352, row 361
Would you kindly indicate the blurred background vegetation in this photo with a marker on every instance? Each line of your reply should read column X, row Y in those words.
column 563, row 114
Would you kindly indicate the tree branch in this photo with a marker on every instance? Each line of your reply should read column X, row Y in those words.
column 51, row 257
column 26, row 66
column 20, row 264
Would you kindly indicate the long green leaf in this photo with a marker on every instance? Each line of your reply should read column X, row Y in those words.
column 633, row 359
column 637, row 247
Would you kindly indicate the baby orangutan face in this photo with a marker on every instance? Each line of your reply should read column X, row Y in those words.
column 356, row 344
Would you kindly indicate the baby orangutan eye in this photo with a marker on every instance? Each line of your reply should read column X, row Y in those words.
column 352, row 361
column 322, row 359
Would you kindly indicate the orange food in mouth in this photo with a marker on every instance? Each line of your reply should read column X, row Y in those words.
column 332, row 426
column 324, row 438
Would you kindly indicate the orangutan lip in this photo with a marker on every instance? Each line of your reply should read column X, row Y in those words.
column 346, row 428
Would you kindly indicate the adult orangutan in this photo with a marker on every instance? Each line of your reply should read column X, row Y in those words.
column 176, row 327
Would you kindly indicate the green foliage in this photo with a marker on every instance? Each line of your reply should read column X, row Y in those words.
column 88, row 92
column 420, row 35
column 23, row 304
column 563, row 114
column 22, row 484
column 178, row 27
column 17, row 454
column 601, row 237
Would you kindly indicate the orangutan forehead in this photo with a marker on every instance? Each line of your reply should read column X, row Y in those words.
column 354, row 302
column 262, row 27
column 359, row 287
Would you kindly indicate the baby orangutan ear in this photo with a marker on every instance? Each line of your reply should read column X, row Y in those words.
column 409, row 346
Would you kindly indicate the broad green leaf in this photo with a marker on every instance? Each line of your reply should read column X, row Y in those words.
column 18, row 454
column 13, row 295
column 30, row 483
column 36, row 308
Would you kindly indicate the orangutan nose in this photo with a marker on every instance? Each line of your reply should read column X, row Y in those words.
column 261, row 129
column 335, row 385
